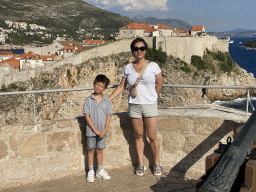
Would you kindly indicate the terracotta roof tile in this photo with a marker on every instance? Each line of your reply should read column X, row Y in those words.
column 149, row 30
column 160, row 26
column 197, row 28
column 15, row 63
column 44, row 58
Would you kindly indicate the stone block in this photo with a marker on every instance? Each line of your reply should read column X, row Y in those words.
column 173, row 142
column 28, row 128
column 3, row 149
column 171, row 159
column 61, row 141
column 115, row 156
column 47, row 126
column 12, row 129
column 2, row 176
column 193, row 142
column 209, row 126
column 14, row 145
column 18, row 169
column 31, row 145
column 64, row 124
column 75, row 160
column 49, row 165
column 175, row 124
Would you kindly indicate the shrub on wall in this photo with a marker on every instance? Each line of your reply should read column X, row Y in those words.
column 198, row 62
column 186, row 69
column 158, row 56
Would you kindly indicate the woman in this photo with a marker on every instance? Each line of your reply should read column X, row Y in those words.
column 143, row 108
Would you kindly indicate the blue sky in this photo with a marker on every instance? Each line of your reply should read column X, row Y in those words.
column 215, row 15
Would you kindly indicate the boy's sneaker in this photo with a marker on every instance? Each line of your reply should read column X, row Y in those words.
column 103, row 174
column 90, row 176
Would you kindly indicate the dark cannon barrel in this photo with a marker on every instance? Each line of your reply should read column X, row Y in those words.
column 224, row 174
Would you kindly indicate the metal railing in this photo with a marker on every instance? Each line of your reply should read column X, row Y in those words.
column 114, row 86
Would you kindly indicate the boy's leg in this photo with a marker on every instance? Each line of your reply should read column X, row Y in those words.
column 101, row 144
column 91, row 144
column 99, row 157
column 91, row 157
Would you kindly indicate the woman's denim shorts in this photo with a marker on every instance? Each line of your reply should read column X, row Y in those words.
column 96, row 142
column 145, row 110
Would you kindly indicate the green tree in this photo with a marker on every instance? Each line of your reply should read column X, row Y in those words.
column 156, row 55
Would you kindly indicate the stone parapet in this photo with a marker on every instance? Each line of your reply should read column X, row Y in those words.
column 53, row 149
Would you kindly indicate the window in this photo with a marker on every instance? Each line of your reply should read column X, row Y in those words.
column 130, row 32
column 123, row 32
column 56, row 46
column 49, row 53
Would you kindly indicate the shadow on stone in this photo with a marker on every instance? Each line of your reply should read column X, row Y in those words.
column 128, row 132
column 193, row 156
column 83, row 141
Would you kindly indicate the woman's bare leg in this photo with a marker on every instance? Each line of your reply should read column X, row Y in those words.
column 137, row 124
column 150, row 124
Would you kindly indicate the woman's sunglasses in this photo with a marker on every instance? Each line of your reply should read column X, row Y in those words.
column 135, row 49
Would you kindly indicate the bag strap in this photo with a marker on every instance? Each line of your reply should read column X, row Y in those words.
column 140, row 75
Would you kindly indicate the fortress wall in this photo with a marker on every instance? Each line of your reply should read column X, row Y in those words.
column 185, row 47
column 54, row 149
column 23, row 75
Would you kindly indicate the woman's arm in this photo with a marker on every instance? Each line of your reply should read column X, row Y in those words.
column 119, row 89
column 159, row 83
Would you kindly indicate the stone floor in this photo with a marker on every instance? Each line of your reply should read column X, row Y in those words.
column 122, row 180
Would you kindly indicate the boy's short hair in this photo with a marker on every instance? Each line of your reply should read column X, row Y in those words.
column 102, row 78
column 138, row 40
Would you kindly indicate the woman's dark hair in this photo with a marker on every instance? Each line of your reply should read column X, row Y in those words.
column 138, row 40
column 103, row 79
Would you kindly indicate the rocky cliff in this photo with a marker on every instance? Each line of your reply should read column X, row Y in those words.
column 19, row 109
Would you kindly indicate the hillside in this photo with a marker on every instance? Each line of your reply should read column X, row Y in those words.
column 63, row 16
column 172, row 23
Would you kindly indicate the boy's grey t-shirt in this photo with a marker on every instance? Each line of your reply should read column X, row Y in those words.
column 98, row 113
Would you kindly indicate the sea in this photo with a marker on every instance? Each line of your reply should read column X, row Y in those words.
column 246, row 59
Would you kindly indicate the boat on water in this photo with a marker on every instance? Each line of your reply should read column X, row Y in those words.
column 240, row 42
column 231, row 41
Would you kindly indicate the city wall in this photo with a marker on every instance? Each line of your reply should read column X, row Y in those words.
column 53, row 149
column 180, row 47
column 185, row 47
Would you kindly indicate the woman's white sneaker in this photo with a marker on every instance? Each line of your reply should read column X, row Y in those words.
column 90, row 176
column 103, row 174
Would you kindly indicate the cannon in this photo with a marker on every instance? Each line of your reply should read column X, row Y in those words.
column 234, row 157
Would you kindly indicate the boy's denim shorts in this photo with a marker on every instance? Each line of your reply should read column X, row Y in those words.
column 145, row 110
column 96, row 142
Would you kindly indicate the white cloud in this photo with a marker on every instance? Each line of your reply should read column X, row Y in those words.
column 132, row 5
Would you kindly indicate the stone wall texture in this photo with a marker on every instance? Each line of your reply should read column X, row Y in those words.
column 53, row 149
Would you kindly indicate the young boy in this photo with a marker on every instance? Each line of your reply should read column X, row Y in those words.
column 97, row 111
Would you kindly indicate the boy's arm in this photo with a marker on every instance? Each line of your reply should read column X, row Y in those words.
column 103, row 133
column 91, row 124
